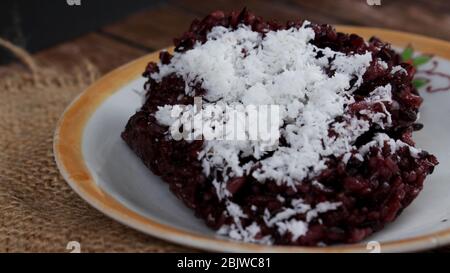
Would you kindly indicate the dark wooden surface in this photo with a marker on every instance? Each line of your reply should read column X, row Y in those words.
column 152, row 29
column 155, row 28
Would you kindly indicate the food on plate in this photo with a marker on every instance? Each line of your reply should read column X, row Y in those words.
column 341, row 162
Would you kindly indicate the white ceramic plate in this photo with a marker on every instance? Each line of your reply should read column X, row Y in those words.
column 106, row 173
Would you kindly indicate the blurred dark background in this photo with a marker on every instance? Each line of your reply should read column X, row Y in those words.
column 38, row 24
column 151, row 24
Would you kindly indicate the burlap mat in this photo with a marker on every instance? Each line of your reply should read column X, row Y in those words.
column 38, row 210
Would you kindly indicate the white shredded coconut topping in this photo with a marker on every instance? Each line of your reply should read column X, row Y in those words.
column 241, row 67
column 380, row 139
column 279, row 69
column 398, row 68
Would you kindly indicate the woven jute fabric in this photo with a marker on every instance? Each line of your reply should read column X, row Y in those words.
column 38, row 210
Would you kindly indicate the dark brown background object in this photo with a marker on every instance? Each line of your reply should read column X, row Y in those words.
column 38, row 24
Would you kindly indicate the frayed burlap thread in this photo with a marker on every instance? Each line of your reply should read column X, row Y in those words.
column 38, row 210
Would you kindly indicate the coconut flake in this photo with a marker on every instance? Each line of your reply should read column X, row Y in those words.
column 398, row 68
column 380, row 139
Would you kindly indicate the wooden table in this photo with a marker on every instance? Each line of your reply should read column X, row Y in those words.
column 153, row 29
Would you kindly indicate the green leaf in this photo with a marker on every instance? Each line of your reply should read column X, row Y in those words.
column 420, row 60
column 407, row 53
column 418, row 83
